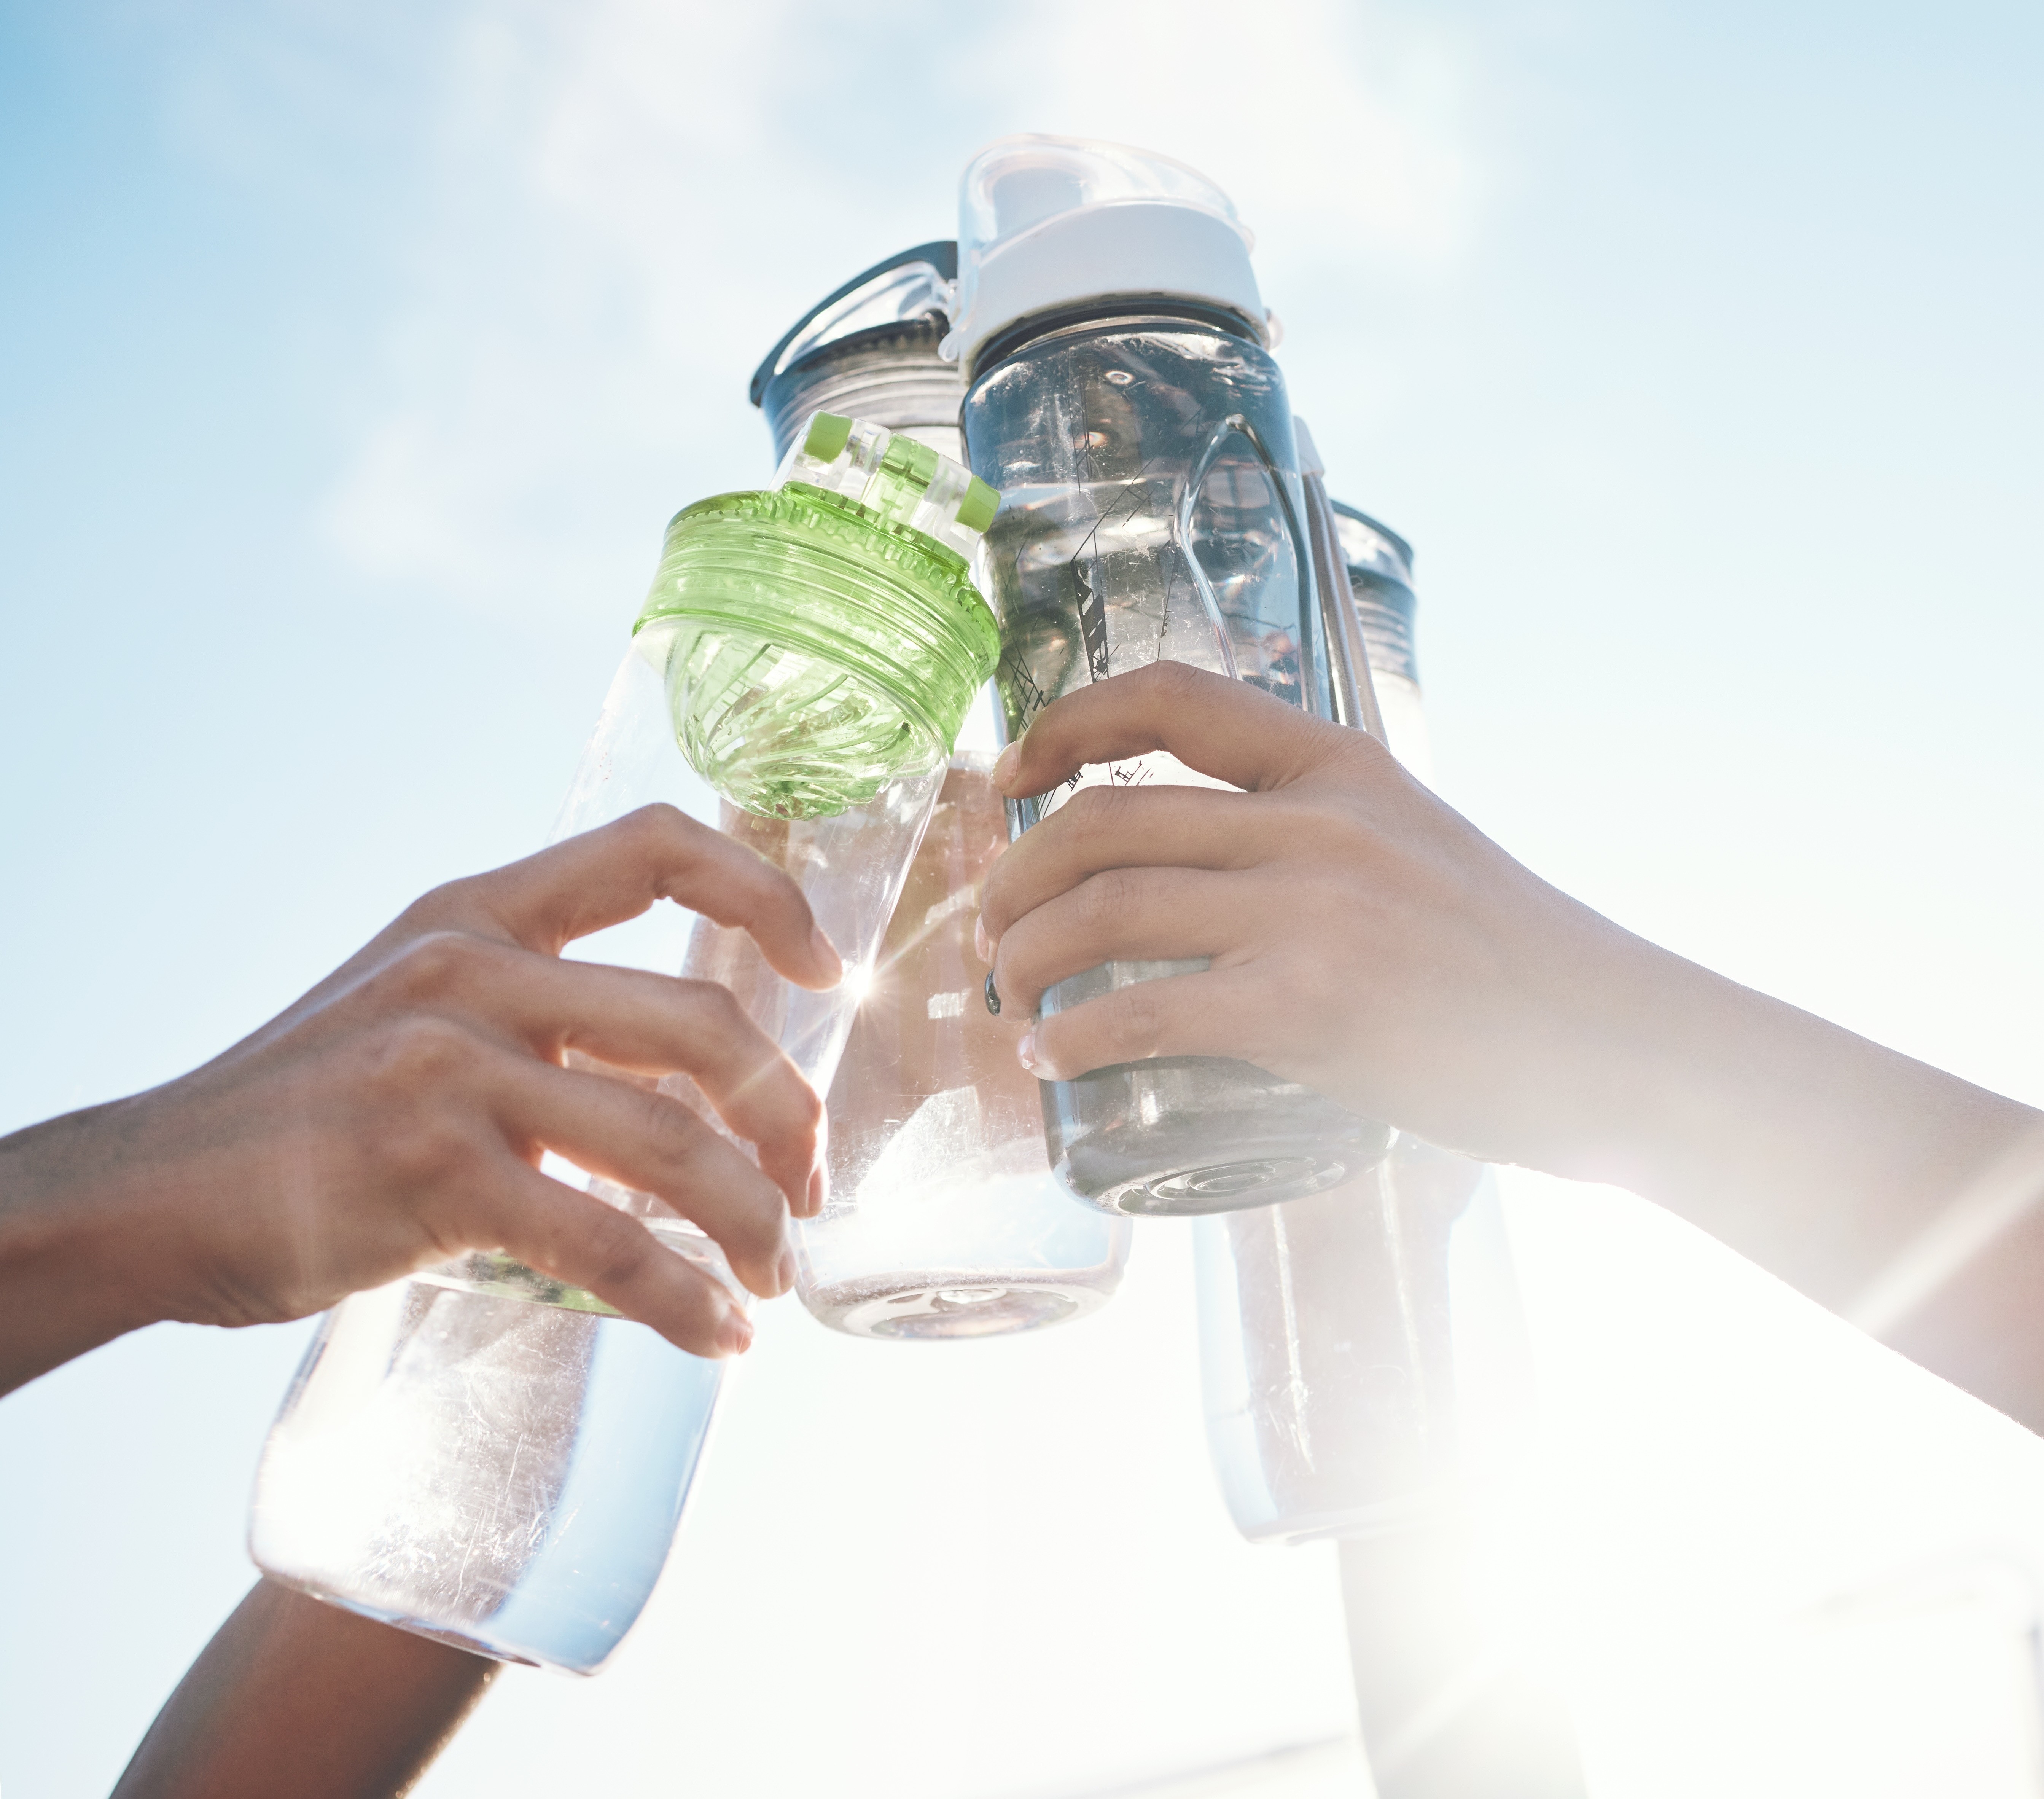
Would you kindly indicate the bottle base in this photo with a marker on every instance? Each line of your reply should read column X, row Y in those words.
column 1226, row 1187
column 935, row 1306
column 1205, row 1188
column 1349, row 1523
column 1182, row 1137
column 419, row 1627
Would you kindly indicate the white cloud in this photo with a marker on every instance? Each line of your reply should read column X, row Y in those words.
column 618, row 206
column 1335, row 127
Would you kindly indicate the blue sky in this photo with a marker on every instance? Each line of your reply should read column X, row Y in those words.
column 354, row 358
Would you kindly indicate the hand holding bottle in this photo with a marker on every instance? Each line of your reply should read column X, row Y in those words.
column 397, row 1114
column 1363, row 938
column 1367, row 940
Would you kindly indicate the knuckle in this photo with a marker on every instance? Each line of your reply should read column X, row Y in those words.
column 437, row 907
column 671, row 1129
column 1172, row 683
column 654, row 833
column 406, row 1083
column 659, row 823
column 996, row 909
column 616, row 1246
column 1099, row 811
column 693, row 1162
column 663, row 815
column 413, row 1055
column 809, row 1105
column 1103, row 901
column 425, row 1154
column 435, row 965
column 1346, row 836
column 717, row 1009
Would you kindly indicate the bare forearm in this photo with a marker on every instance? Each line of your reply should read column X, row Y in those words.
column 1817, row 1153
column 70, row 1247
column 1893, row 1192
column 295, row 1696
column 1369, row 942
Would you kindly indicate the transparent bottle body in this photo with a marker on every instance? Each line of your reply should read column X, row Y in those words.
column 485, row 1454
column 1152, row 510
column 892, row 377
column 944, row 1219
column 501, row 1475
column 1378, row 564
column 1363, row 1354
column 1327, row 1350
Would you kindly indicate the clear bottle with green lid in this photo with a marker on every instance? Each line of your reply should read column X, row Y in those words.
column 944, row 1219
column 480, row 1455
column 823, row 638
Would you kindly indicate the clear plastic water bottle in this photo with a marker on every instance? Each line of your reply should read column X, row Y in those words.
column 499, row 1474
column 869, row 350
column 944, row 1219
column 1378, row 564
column 1327, row 1354
column 481, row 1454
column 1363, row 1352
column 1122, row 398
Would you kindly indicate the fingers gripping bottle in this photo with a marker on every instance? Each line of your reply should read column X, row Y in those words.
column 943, row 1219
column 1121, row 397
column 482, row 1454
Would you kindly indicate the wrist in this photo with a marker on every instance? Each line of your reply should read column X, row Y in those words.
column 1812, row 1150
column 74, row 1270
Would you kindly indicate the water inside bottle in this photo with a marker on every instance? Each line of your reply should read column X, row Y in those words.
column 502, row 1476
column 944, row 1219
column 1150, row 511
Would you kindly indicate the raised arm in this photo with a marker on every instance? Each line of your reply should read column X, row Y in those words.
column 1368, row 941
column 294, row 1697
column 397, row 1116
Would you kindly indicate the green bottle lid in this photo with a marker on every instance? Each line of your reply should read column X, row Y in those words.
column 824, row 637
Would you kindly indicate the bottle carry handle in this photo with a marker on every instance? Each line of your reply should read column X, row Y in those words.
column 1348, row 655
column 1324, row 589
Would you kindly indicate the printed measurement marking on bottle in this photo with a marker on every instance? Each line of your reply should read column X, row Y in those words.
column 1021, row 688
column 1135, row 498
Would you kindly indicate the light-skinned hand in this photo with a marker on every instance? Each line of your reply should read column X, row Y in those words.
column 1366, row 938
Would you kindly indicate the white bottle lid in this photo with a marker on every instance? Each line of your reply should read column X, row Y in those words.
column 1047, row 222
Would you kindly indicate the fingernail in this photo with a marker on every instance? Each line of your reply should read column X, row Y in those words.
column 787, row 1271
column 993, row 997
column 826, row 955
column 1005, row 764
column 734, row 1335
column 982, row 942
column 819, row 1188
column 1025, row 1051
